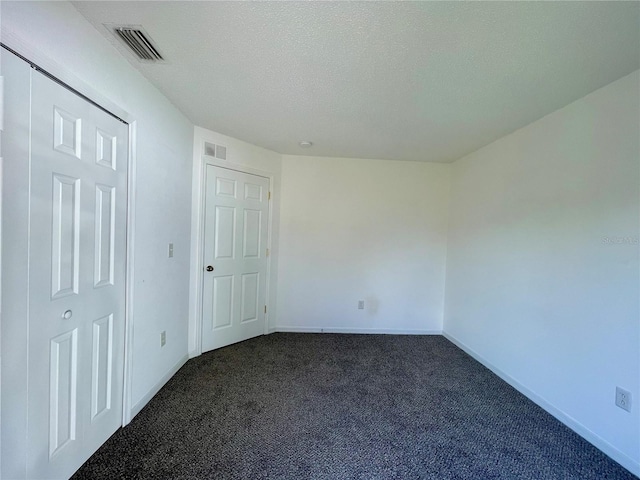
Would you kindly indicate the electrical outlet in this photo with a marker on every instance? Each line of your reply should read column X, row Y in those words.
column 623, row 399
column 163, row 338
column 360, row 304
column 171, row 250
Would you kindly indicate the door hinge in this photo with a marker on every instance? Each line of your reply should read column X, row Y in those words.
column 269, row 196
column 267, row 252
column 265, row 309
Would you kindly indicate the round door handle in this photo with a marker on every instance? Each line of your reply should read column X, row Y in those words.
column 67, row 314
column 209, row 268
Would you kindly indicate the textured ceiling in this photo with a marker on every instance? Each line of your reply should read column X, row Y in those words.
column 424, row 81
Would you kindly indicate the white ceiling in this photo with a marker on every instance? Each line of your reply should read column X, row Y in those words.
column 424, row 81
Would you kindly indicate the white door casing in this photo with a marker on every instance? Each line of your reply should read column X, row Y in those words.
column 76, row 277
column 234, row 256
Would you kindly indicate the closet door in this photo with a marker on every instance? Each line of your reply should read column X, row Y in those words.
column 75, row 291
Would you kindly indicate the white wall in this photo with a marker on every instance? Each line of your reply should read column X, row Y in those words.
column 370, row 230
column 535, row 287
column 247, row 157
column 56, row 36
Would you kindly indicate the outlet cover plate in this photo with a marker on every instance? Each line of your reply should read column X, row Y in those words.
column 623, row 399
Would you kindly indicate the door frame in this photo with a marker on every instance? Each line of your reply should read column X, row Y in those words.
column 198, row 256
column 17, row 305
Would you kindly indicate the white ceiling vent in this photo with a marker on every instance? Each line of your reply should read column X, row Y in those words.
column 138, row 41
column 217, row 151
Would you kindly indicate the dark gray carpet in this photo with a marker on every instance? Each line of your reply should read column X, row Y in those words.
column 302, row 406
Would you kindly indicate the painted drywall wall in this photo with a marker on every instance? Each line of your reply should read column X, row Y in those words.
column 55, row 35
column 543, row 264
column 246, row 157
column 371, row 230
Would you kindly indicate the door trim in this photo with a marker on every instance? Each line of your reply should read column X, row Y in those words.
column 18, row 305
column 197, row 258
column 127, row 397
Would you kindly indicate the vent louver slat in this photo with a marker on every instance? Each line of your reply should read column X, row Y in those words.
column 138, row 42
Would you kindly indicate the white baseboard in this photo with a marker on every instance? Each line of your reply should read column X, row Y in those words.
column 156, row 388
column 390, row 331
column 627, row 462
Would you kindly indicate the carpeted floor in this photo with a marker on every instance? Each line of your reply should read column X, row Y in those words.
column 304, row 406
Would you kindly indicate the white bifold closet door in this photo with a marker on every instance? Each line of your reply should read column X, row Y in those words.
column 76, row 289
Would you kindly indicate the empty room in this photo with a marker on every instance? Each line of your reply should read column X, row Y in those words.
column 320, row 240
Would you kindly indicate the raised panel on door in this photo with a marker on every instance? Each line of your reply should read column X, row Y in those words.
column 226, row 187
column 67, row 132
column 105, row 223
column 251, row 244
column 222, row 301
column 225, row 232
column 102, row 365
column 253, row 191
column 249, row 296
column 63, row 383
column 65, row 236
column 106, row 149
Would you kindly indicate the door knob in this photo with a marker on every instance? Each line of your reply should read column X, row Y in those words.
column 67, row 314
column 209, row 268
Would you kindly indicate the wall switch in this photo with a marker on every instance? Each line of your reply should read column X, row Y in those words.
column 623, row 399
column 360, row 304
column 171, row 250
column 163, row 338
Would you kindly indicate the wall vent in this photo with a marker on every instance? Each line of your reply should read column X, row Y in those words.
column 138, row 41
column 217, row 151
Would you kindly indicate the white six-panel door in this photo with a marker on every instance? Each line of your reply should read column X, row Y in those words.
column 235, row 256
column 77, row 279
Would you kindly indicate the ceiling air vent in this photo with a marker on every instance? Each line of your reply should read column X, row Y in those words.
column 139, row 42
